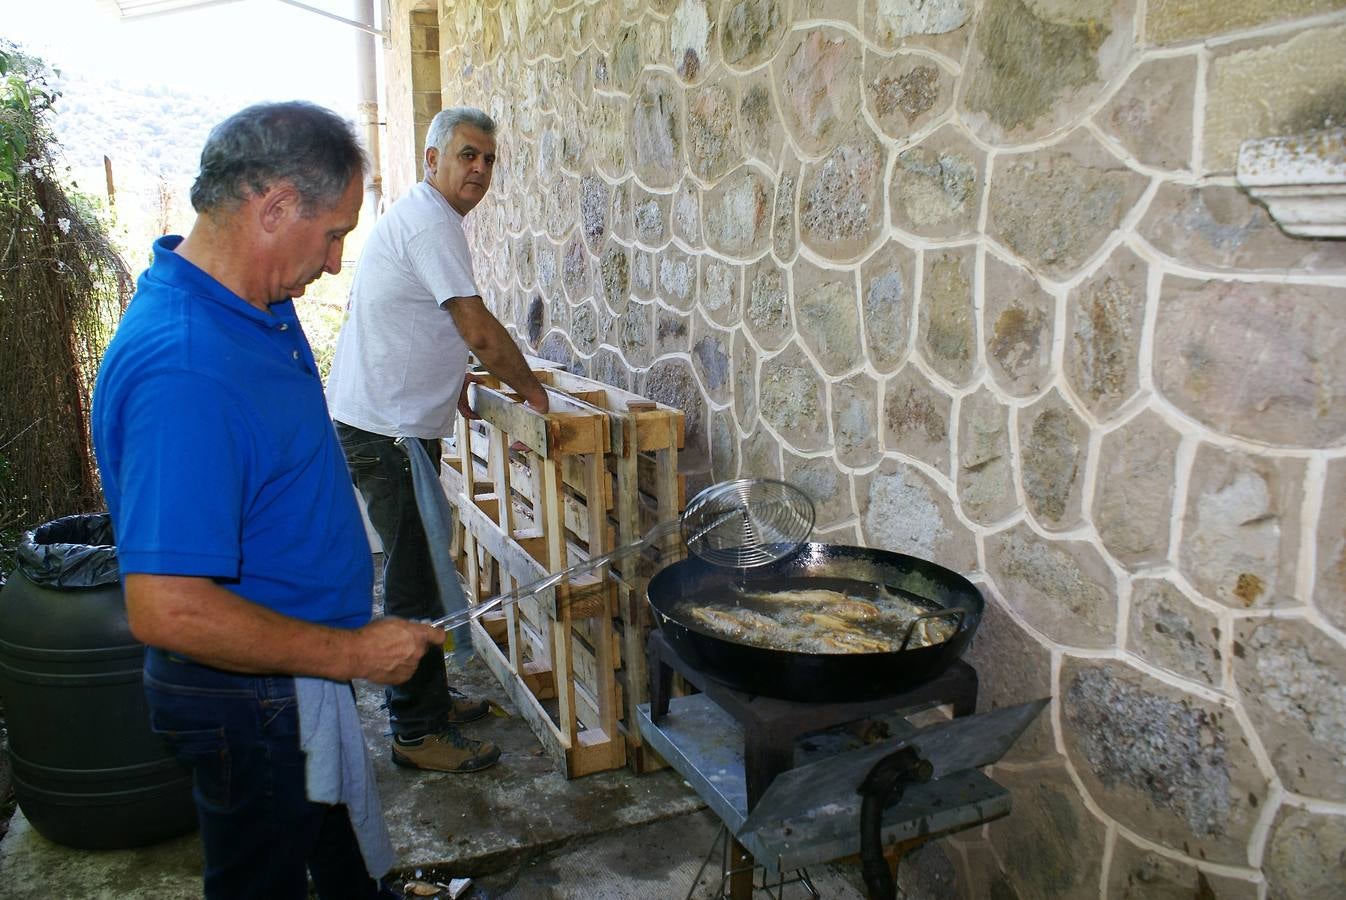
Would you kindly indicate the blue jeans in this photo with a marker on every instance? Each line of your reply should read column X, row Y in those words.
column 382, row 473
column 239, row 734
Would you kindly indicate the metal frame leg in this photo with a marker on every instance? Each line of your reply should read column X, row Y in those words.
column 724, row 842
column 720, row 837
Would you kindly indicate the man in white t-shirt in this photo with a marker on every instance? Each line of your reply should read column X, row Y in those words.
column 414, row 315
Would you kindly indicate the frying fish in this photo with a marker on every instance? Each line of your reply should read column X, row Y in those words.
column 931, row 631
column 834, row 603
column 737, row 623
column 828, row 622
column 853, row 642
column 818, row 620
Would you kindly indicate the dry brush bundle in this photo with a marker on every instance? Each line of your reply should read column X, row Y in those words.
column 62, row 289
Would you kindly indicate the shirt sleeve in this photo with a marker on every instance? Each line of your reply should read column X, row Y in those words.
column 182, row 478
column 440, row 260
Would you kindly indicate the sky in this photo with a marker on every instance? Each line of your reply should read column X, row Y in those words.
column 248, row 50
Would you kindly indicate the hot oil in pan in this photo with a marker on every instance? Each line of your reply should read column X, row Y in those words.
column 817, row 615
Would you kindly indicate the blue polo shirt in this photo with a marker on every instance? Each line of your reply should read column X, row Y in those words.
column 217, row 454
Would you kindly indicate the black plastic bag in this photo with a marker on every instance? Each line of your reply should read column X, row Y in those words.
column 70, row 552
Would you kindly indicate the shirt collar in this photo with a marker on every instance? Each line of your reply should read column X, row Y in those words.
column 439, row 199
column 171, row 267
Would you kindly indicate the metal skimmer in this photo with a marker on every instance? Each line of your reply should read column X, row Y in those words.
column 747, row 523
column 739, row 524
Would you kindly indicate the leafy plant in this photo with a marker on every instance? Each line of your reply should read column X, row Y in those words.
column 26, row 96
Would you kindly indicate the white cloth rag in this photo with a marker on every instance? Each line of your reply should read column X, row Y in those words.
column 338, row 768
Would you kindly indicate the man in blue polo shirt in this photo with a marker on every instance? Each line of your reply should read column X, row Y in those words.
column 245, row 563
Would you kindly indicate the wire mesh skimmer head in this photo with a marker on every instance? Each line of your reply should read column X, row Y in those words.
column 747, row 523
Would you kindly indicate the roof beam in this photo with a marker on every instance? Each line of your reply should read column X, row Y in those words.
column 143, row 9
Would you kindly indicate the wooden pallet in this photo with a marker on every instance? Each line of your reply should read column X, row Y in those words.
column 645, row 438
column 597, row 471
column 554, row 652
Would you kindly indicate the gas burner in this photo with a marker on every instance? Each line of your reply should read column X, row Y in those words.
column 787, row 804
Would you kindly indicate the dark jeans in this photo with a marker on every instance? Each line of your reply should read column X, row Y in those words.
column 382, row 473
column 239, row 734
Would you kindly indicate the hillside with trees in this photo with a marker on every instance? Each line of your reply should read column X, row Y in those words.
column 151, row 127
column 152, row 134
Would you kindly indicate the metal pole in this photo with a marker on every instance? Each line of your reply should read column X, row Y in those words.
column 367, row 109
column 363, row 26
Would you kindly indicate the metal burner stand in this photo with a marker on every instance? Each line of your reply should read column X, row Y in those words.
column 730, row 746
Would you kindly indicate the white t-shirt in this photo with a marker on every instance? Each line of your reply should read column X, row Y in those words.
column 399, row 360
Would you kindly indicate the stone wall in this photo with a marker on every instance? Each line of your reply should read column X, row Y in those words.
column 975, row 274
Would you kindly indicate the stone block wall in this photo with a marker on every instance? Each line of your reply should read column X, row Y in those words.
column 975, row 273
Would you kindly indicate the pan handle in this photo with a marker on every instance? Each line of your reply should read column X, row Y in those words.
column 959, row 614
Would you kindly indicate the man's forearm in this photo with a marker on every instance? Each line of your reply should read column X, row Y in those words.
column 212, row 625
column 493, row 345
column 503, row 359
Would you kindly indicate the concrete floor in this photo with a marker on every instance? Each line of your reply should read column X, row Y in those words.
column 519, row 829
column 660, row 859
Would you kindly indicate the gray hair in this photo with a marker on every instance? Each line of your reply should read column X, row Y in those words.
column 312, row 148
column 441, row 127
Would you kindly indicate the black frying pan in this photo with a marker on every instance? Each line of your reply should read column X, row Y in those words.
column 814, row 677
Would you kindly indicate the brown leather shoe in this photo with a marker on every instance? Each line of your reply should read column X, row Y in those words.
column 464, row 709
column 445, row 751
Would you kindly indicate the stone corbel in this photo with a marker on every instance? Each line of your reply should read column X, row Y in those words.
column 1301, row 179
